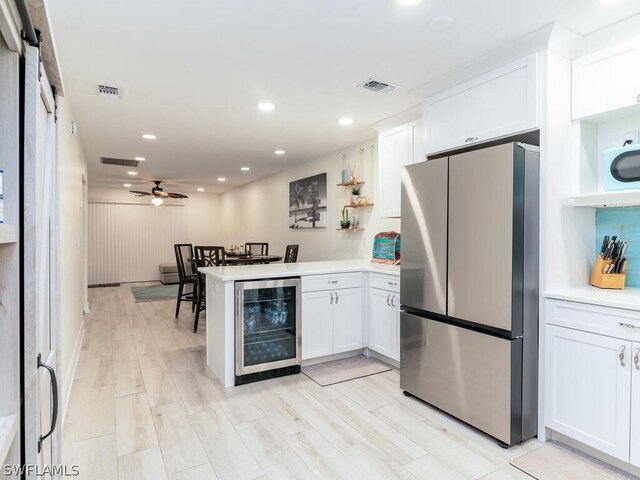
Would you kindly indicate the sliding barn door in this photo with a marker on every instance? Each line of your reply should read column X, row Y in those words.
column 127, row 242
column 41, row 272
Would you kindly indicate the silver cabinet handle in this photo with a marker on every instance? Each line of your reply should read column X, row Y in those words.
column 628, row 325
column 337, row 298
column 638, row 98
column 389, row 300
column 636, row 359
column 331, row 293
column 393, row 304
column 470, row 139
column 622, row 355
column 393, row 284
column 332, row 282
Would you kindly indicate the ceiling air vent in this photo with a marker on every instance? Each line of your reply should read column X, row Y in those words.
column 108, row 91
column 121, row 162
column 377, row 86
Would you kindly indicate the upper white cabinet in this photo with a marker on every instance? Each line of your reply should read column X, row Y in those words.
column 500, row 103
column 398, row 147
column 607, row 80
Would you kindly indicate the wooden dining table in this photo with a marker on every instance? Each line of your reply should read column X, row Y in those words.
column 248, row 259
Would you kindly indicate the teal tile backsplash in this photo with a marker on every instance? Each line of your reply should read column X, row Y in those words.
column 625, row 223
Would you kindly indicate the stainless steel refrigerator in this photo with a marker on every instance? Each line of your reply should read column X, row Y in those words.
column 469, row 319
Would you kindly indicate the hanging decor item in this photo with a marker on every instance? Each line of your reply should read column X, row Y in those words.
column 308, row 202
column 386, row 248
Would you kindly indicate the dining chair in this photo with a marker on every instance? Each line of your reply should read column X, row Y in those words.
column 291, row 254
column 205, row 257
column 186, row 275
column 256, row 248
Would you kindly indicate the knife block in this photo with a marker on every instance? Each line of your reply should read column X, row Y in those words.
column 605, row 280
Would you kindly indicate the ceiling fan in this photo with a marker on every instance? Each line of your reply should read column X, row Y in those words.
column 158, row 193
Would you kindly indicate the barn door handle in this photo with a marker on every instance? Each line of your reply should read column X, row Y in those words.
column 54, row 391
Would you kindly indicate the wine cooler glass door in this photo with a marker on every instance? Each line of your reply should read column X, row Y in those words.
column 267, row 325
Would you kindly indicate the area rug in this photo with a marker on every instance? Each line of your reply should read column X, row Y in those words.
column 342, row 370
column 555, row 461
column 155, row 293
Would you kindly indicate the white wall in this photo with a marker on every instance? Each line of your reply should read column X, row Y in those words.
column 259, row 211
column 72, row 288
column 201, row 209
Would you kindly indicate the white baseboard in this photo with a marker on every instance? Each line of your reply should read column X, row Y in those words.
column 67, row 385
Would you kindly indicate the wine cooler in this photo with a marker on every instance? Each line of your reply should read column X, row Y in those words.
column 268, row 342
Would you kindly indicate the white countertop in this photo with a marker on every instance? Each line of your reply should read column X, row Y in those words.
column 279, row 270
column 629, row 298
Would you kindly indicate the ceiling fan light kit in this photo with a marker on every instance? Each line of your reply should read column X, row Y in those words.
column 158, row 193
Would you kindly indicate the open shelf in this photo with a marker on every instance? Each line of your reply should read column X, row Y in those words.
column 349, row 184
column 359, row 205
column 8, row 233
column 625, row 198
column 350, row 229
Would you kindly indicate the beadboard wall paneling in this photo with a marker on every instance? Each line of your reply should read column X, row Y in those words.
column 127, row 241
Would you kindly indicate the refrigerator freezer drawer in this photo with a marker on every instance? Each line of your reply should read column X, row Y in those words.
column 468, row 374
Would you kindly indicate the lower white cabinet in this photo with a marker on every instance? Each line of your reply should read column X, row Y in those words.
column 331, row 322
column 635, row 409
column 384, row 322
column 588, row 389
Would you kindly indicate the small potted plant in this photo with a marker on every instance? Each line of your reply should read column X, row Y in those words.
column 344, row 222
column 355, row 194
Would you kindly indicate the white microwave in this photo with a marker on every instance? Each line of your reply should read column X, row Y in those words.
column 621, row 168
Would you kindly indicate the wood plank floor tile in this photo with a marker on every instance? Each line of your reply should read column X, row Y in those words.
column 135, row 430
column 180, row 445
column 229, row 456
column 430, row 467
column 90, row 413
column 159, row 385
column 197, row 391
column 96, row 457
column 375, row 464
column 128, row 378
column 149, row 355
column 203, row 472
column 143, row 465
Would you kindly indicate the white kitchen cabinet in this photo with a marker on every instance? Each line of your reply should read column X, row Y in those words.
column 397, row 147
column 347, row 320
column 588, row 388
column 317, row 324
column 607, row 80
column 331, row 319
column 384, row 322
column 500, row 103
column 635, row 406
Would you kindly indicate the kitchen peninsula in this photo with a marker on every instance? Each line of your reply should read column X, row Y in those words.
column 292, row 313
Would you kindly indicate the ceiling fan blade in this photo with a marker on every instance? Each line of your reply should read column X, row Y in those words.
column 139, row 193
column 177, row 195
column 160, row 194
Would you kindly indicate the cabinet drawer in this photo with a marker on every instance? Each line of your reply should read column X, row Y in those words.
column 315, row 283
column 612, row 322
column 390, row 283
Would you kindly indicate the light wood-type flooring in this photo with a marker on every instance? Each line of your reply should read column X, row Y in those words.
column 144, row 407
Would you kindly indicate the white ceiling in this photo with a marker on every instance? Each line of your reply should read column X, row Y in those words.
column 192, row 72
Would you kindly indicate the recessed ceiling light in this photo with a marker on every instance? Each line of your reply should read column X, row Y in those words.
column 408, row 2
column 132, row 173
column 222, row 179
column 279, row 152
column 345, row 121
column 140, row 159
column 149, row 136
column 266, row 106
column 127, row 185
column 439, row 24
column 245, row 169
column 200, row 189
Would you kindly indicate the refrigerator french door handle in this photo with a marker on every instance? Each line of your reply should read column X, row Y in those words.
column 54, row 392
